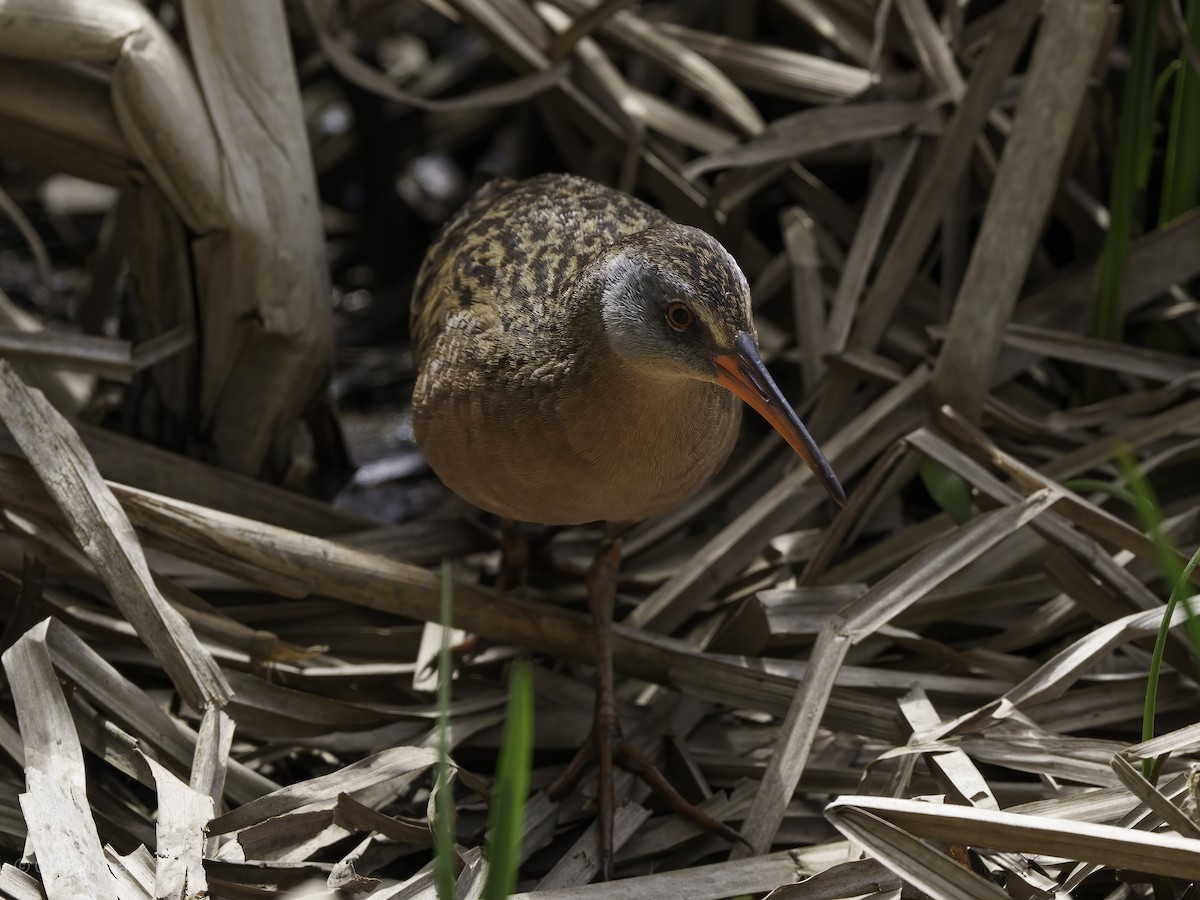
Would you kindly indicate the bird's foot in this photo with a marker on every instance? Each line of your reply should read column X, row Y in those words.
column 460, row 654
column 604, row 744
column 633, row 760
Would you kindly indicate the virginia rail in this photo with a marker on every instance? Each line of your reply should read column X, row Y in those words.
column 580, row 357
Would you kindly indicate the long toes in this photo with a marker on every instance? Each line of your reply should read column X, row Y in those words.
column 639, row 765
column 565, row 783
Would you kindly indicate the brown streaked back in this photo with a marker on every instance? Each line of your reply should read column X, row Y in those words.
column 516, row 247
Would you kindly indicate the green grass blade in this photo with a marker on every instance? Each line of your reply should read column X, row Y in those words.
column 512, row 785
column 1182, row 593
column 1165, row 79
column 1150, row 515
column 1181, row 168
column 948, row 490
column 1096, row 486
column 444, row 801
column 1133, row 136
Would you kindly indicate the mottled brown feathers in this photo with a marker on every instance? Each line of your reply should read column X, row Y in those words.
column 521, row 241
column 522, row 404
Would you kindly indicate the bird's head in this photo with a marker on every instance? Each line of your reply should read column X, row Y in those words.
column 675, row 304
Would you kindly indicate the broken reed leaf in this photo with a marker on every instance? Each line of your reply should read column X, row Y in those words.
column 109, row 357
column 210, row 762
column 263, row 314
column 62, row 829
column 113, row 359
column 355, row 816
column 19, row 885
column 934, row 52
column 954, row 150
column 1092, row 519
column 859, row 619
column 865, row 877
column 134, row 872
column 692, row 69
column 137, row 712
column 956, row 768
column 710, row 882
column 1181, row 740
column 582, row 26
column 1157, row 853
column 1034, row 750
column 294, row 829
column 1025, row 186
column 918, row 864
column 822, row 128
column 578, row 866
column 879, row 604
column 518, row 90
column 372, row 770
column 780, row 71
column 808, row 300
column 1065, row 345
column 1155, row 800
column 104, row 532
column 1057, row 674
column 1140, row 817
column 344, row 875
column 794, row 744
column 179, row 836
column 896, row 158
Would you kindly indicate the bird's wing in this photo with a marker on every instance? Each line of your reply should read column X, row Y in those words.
column 428, row 310
column 505, row 264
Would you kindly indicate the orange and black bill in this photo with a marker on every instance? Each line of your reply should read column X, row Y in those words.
column 744, row 374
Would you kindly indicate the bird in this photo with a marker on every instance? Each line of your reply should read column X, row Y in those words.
column 581, row 357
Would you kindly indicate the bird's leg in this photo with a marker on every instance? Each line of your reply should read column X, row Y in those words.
column 606, row 727
column 636, row 762
column 514, row 557
column 606, row 740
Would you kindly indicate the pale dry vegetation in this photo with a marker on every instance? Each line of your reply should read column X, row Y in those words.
column 220, row 664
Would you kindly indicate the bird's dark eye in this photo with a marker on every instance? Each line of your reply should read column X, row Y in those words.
column 679, row 317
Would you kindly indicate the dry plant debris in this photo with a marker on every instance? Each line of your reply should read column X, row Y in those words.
column 214, row 684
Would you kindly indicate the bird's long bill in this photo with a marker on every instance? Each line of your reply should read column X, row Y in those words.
column 744, row 374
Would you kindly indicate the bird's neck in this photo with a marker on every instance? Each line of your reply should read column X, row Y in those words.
column 681, row 415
